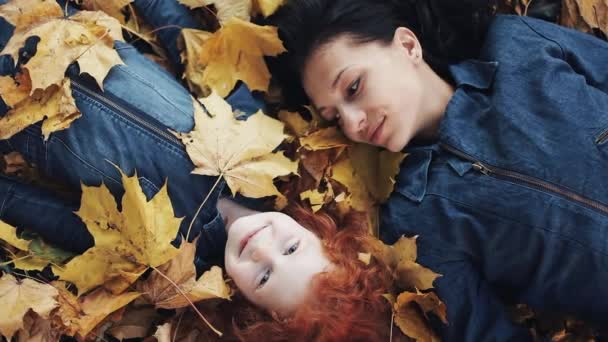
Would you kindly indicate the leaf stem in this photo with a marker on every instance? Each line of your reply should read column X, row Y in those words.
column 219, row 333
column 202, row 204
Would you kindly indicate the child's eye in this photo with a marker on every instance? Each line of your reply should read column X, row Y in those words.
column 264, row 279
column 292, row 248
column 352, row 89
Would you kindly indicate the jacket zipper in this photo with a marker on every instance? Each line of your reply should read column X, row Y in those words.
column 122, row 110
column 490, row 170
column 602, row 138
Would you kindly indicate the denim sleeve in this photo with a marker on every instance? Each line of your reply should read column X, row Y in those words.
column 586, row 54
column 169, row 17
column 474, row 311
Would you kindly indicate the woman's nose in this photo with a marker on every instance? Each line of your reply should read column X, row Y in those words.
column 261, row 253
column 354, row 121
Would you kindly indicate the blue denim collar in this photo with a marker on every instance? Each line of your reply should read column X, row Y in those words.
column 476, row 73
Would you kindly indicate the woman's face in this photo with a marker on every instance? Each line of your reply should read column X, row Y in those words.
column 373, row 90
column 272, row 260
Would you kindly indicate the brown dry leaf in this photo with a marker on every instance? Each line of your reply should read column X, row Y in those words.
column 236, row 52
column 317, row 198
column 240, row 151
column 55, row 103
column 163, row 332
column 410, row 321
column 125, row 242
column 161, row 292
column 111, row 7
column 294, row 123
column 17, row 297
column 37, row 329
column 412, row 275
column 81, row 315
column 585, row 15
column 23, row 13
column 136, row 322
column 267, row 7
column 226, row 9
column 325, row 138
column 14, row 163
column 193, row 42
column 87, row 38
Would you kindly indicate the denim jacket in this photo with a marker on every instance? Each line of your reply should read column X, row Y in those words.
column 128, row 124
column 511, row 202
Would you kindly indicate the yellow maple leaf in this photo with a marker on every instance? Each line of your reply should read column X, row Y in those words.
column 125, row 242
column 267, row 7
column 410, row 321
column 81, row 315
column 235, row 52
column 23, row 13
column 111, row 7
column 239, row 151
column 8, row 233
column 55, row 103
column 86, row 38
column 325, row 138
column 377, row 168
column 18, row 297
column 226, row 9
column 193, row 42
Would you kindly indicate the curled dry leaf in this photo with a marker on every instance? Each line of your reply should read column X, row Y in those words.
column 410, row 321
column 111, row 7
column 125, row 242
column 193, row 42
column 236, row 52
column 86, row 38
column 55, row 103
column 240, row 151
column 23, row 13
column 17, row 297
column 81, row 315
column 585, row 14
column 37, row 329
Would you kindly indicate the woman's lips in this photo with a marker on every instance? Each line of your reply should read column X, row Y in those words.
column 377, row 134
column 246, row 239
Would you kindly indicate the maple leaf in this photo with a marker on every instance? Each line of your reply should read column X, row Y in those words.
column 410, row 321
column 23, row 13
column 325, row 138
column 8, row 233
column 239, row 151
column 125, row 242
column 18, row 297
column 38, row 329
column 193, row 41
column 86, row 38
column 585, row 14
column 226, row 9
column 111, row 7
column 267, row 7
column 235, row 52
column 15, row 90
column 55, row 103
column 81, row 315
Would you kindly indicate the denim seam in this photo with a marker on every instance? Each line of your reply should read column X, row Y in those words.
column 151, row 86
column 119, row 118
column 84, row 162
column 545, row 37
column 485, row 212
column 8, row 194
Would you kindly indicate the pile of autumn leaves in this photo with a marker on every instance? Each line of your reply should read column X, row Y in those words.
column 103, row 291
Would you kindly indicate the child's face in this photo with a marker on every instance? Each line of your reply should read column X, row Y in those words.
column 272, row 260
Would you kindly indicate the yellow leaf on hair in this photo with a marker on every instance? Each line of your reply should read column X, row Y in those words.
column 267, row 7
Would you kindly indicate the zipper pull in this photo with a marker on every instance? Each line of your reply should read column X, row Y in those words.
column 481, row 168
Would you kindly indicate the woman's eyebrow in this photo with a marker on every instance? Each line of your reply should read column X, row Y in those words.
column 333, row 85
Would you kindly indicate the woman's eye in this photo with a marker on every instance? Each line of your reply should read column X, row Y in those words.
column 264, row 279
column 293, row 248
column 352, row 90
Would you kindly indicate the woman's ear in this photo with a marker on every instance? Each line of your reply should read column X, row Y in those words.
column 405, row 39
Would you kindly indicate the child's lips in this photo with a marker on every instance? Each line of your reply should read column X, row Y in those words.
column 247, row 238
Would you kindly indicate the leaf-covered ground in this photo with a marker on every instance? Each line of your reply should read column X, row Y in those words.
column 142, row 286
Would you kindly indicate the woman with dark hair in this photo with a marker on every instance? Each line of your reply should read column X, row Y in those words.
column 505, row 181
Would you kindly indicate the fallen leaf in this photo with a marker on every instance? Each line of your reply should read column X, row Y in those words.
column 55, row 103
column 294, row 122
column 193, row 42
column 8, row 233
column 240, row 151
column 17, row 297
column 23, row 13
column 135, row 323
column 37, row 329
column 15, row 90
column 585, row 15
column 125, row 242
column 226, row 9
column 365, row 258
column 86, row 38
column 111, row 7
column 163, row 332
column 267, row 7
column 236, row 52
column 317, row 198
column 81, row 315
column 410, row 321
column 377, row 168
column 325, row 138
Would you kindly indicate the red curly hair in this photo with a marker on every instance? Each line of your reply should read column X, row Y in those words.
column 344, row 304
